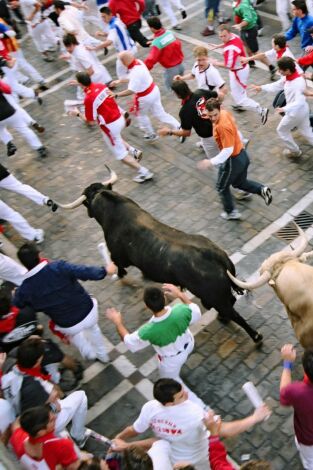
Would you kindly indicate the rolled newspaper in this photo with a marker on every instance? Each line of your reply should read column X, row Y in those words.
column 253, row 395
column 104, row 252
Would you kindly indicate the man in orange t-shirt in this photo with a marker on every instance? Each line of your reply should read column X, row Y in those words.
column 232, row 161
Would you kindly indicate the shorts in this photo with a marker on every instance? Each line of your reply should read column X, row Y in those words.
column 250, row 38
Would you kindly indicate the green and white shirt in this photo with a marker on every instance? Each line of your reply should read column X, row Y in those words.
column 167, row 334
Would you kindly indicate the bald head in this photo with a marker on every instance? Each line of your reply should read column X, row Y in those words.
column 126, row 58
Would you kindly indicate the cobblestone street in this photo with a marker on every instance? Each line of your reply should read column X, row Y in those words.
column 180, row 195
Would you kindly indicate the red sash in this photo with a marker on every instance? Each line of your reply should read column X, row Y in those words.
column 237, row 76
column 135, row 107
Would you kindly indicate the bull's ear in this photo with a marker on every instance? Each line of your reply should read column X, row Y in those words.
column 89, row 211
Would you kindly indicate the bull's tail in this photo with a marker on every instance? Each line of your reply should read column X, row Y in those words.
column 238, row 290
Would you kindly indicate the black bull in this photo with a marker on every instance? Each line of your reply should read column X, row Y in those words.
column 164, row 254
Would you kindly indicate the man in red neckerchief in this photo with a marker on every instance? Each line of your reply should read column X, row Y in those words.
column 297, row 111
column 100, row 106
column 233, row 50
column 299, row 395
column 147, row 97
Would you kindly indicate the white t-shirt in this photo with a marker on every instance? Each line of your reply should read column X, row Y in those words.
column 81, row 60
column 208, row 79
column 180, row 425
column 139, row 78
column 70, row 21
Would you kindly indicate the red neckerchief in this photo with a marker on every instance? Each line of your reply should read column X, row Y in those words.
column 41, row 439
column 185, row 100
column 280, row 53
column 292, row 76
column 133, row 63
column 159, row 33
column 306, row 380
column 34, row 372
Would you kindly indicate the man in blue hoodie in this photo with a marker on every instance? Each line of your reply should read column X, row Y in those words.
column 302, row 22
column 53, row 288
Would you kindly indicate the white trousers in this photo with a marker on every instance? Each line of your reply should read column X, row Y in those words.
column 26, row 67
column 17, row 221
column 209, row 146
column 18, row 89
column 17, row 121
column 302, row 122
column 11, row 271
column 151, row 104
column 43, row 35
column 87, row 337
column 169, row 368
column 309, row 4
column 282, row 9
column 73, row 409
column 239, row 93
column 166, row 6
column 160, row 455
column 119, row 149
column 12, row 184
column 306, row 455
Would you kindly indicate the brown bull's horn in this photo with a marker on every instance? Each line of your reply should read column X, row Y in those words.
column 113, row 177
column 74, row 204
column 302, row 245
column 263, row 279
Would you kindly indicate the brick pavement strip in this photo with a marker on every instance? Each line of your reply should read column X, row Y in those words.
column 224, row 357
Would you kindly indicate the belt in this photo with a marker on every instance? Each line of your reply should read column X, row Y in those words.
column 174, row 355
column 237, row 77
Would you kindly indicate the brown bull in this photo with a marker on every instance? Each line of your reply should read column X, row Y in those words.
column 292, row 280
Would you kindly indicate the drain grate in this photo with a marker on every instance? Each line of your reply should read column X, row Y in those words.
column 289, row 232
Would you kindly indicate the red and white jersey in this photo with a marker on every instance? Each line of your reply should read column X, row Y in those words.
column 99, row 105
column 233, row 50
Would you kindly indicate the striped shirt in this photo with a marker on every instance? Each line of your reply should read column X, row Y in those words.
column 119, row 36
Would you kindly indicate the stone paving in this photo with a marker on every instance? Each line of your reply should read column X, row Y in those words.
column 224, row 356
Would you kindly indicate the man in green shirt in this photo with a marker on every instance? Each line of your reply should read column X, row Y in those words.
column 167, row 331
column 246, row 22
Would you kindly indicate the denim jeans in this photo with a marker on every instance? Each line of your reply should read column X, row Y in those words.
column 234, row 173
column 211, row 5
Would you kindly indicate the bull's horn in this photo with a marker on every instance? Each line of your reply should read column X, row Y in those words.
column 113, row 177
column 265, row 277
column 302, row 245
column 74, row 204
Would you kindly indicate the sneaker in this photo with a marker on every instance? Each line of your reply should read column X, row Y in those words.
column 207, row 32
column 127, row 119
column 136, row 153
column 82, row 442
column 35, row 125
column 141, row 178
column 157, row 9
column 199, row 145
column 252, row 64
column 42, row 86
column 42, row 152
column 260, row 32
column 150, row 137
column 182, row 139
column 266, row 193
column 40, row 236
column 292, row 154
column 52, row 204
column 233, row 215
column 242, row 195
column 103, row 359
column 177, row 27
column 238, row 109
column 11, row 149
column 47, row 57
column 39, row 100
column 183, row 14
column 264, row 115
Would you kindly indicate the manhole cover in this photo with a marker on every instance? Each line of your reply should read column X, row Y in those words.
column 290, row 232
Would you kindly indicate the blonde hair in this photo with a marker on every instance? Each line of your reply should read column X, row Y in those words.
column 200, row 51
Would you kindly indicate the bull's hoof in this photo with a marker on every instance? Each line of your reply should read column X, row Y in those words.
column 223, row 320
column 258, row 339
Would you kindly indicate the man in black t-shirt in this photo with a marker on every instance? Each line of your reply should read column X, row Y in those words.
column 193, row 105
